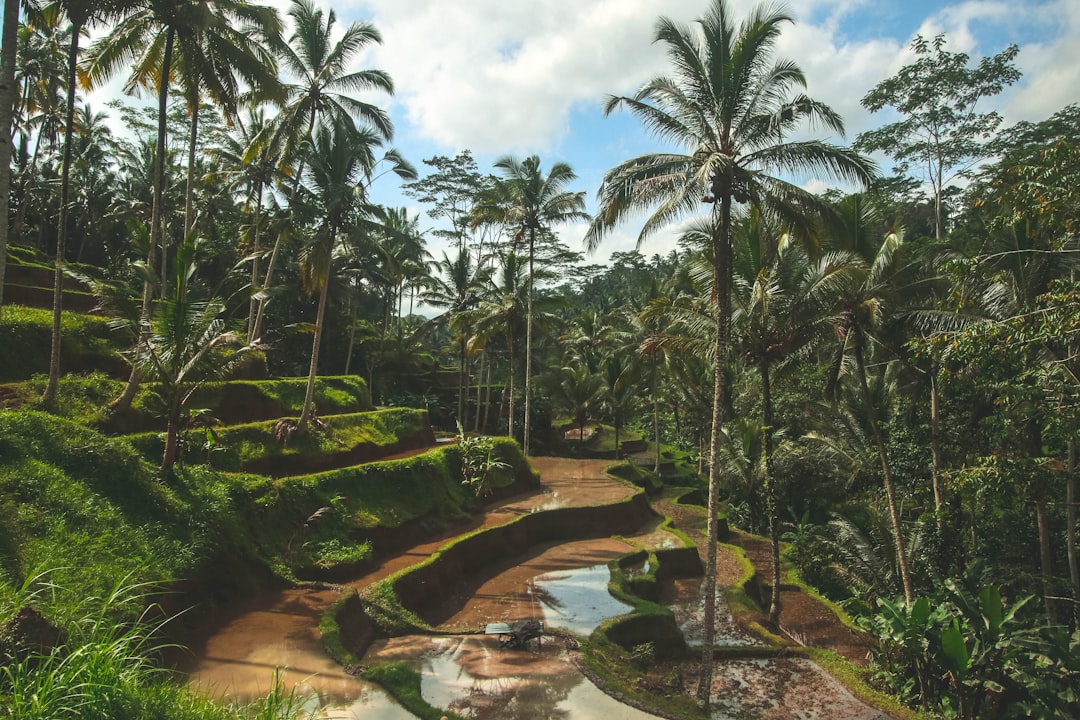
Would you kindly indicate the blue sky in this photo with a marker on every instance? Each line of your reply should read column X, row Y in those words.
column 524, row 77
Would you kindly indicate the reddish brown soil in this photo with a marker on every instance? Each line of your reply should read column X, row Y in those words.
column 803, row 617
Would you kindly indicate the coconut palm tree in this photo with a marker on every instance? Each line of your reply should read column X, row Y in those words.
column 81, row 14
column 530, row 204
column 730, row 108
column 321, row 95
column 204, row 44
column 341, row 158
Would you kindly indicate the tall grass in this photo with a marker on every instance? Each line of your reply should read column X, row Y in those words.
column 105, row 668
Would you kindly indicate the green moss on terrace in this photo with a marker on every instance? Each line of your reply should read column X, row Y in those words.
column 348, row 439
column 26, row 339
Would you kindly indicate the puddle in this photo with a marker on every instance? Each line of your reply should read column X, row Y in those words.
column 472, row 677
column 685, row 601
column 783, row 689
column 577, row 600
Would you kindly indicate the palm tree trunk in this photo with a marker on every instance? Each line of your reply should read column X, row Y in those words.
column 935, row 449
column 124, row 401
column 49, row 396
column 352, row 334
column 189, row 190
column 309, row 395
column 510, row 389
column 722, row 281
column 461, row 381
column 255, row 250
column 172, row 437
column 528, row 346
column 656, row 421
column 479, row 390
column 8, row 94
column 487, row 397
column 1070, row 532
column 770, row 492
column 277, row 241
column 886, row 472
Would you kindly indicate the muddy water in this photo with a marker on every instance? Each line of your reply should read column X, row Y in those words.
column 686, row 602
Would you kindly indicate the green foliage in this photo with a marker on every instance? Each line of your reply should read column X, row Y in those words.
column 105, row 668
column 478, row 460
column 970, row 655
column 25, row 341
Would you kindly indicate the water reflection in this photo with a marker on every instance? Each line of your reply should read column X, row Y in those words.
column 472, row 677
column 577, row 600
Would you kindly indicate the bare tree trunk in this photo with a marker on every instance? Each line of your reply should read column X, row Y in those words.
column 1046, row 565
column 8, row 94
column 528, row 347
column 935, row 449
column 722, row 280
column 479, row 389
column 510, row 389
column 487, row 397
column 1070, row 532
column 656, row 421
column 189, row 190
column 49, row 397
column 255, row 250
column 886, row 471
column 309, row 395
column 770, row 492
column 124, row 401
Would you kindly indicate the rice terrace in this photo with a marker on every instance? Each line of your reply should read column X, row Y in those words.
column 697, row 359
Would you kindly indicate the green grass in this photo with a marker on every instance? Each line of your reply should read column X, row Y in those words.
column 239, row 444
column 26, row 340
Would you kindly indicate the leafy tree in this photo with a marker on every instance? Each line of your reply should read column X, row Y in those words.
column 729, row 107
column 451, row 191
column 940, row 132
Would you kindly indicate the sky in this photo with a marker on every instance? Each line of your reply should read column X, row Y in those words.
column 527, row 77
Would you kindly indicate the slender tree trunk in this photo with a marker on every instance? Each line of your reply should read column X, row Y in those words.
column 935, row 450
column 124, row 401
column 509, row 389
column 172, row 438
column 461, row 381
column 722, row 280
column 8, row 94
column 352, row 334
column 656, row 420
column 189, row 190
column 528, row 347
column 255, row 250
column 770, row 492
column 479, row 389
column 1070, row 533
column 487, row 396
column 1046, row 564
column 886, row 471
column 272, row 264
column 309, row 395
column 49, row 397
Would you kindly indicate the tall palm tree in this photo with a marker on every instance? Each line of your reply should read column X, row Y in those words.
column 250, row 172
column 9, row 42
column 202, row 39
column 321, row 94
column 342, row 158
column 729, row 108
column 456, row 287
column 81, row 14
column 530, row 205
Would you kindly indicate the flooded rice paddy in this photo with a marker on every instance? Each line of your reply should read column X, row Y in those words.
column 237, row 654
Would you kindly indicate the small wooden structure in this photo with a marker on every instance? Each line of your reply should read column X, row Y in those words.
column 516, row 635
